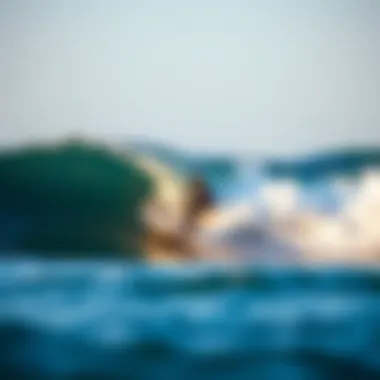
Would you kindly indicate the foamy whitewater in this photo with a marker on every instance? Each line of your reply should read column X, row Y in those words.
column 283, row 218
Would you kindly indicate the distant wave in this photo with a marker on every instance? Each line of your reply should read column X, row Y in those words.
column 339, row 162
column 232, row 177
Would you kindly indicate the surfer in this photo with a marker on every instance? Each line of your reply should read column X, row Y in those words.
column 200, row 200
column 172, row 233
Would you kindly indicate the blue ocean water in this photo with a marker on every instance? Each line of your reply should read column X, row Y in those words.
column 110, row 320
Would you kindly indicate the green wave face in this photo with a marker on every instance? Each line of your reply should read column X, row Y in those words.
column 74, row 198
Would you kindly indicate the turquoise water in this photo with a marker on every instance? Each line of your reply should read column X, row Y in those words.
column 111, row 320
column 108, row 320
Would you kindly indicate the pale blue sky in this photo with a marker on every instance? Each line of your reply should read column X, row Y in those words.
column 262, row 76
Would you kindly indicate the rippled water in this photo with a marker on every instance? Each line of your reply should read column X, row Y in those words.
column 108, row 320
